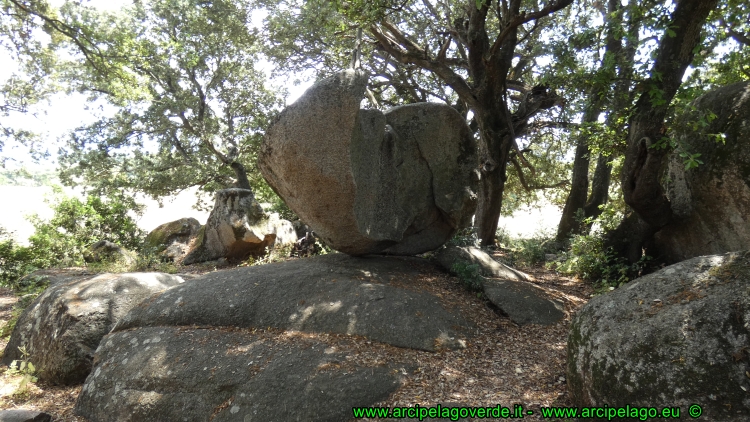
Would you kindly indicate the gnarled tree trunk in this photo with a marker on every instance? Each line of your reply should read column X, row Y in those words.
column 644, row 163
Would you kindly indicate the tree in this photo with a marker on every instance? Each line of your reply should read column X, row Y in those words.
column 647, row 144
column 33, row 80
column 462, row 53
column 191, row 107
column 610, row 93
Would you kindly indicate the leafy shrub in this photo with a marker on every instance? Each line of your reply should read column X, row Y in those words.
column 76, row 225
column 590, row 261
column 526, row 251
column 62, row 240
column 469, row 274
column 15, row 260
column 464, row 237
column 25, row 369
column 274, row 254
column 503, row 237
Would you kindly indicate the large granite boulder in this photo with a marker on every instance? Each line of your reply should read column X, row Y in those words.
column 62, row 327
column 281, row 342
column 24, row 416
column 238, row 228
column 677, row 337
column 171, row 240
column 400, row 182
column 711, row 203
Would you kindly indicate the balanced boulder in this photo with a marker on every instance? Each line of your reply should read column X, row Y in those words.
column 62, row 327
column 401, row 182
column 238, row 228
column 676, row 337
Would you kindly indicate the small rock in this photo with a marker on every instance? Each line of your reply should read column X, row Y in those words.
column 24, row 416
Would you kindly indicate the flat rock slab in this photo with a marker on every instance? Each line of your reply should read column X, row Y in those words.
column 333, row 293
column 193, row 374
column 62, row 327
column 451, row 255
column 24, row 416
column 524, row 302
column 55, row 276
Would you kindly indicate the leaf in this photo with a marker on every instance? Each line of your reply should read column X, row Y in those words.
column 671, row 33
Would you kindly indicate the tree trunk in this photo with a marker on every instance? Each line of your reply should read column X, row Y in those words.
column 495, row 130
column 630, row 237
column 599, row 187
column 239, row 172
column 644, row 164
column 579, row 187
column 489, row 205
column 569, row 224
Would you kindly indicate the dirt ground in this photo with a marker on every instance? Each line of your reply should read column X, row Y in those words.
column 502, row 364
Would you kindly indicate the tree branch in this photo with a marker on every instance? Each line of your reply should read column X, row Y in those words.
column 523, row 18
column 441, row 69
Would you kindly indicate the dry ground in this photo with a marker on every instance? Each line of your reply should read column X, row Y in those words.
column 502, row 364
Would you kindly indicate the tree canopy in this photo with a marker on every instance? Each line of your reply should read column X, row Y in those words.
column 551, row 88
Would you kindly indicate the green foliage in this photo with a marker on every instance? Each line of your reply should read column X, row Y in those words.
column 15, row 260
column 699, row 123
column 24, row 177
column 146, row 260
column 470, row 275
column 31, row 72
column 63, row 240
column 586, row 257
column 25, row 369
column 464, row 237
column 274, row 254
column 190, row 102
column 76, row 225
column 526, row 252
column 590, row 261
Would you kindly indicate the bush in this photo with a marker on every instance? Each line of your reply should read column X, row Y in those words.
column 590, row 261
column 526, row 251
column 464, row 237
column 15, row 260
column 469, row 274
column 62, row 240
column 76, row 225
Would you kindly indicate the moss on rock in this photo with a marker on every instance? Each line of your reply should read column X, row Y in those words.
column 672, row 338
